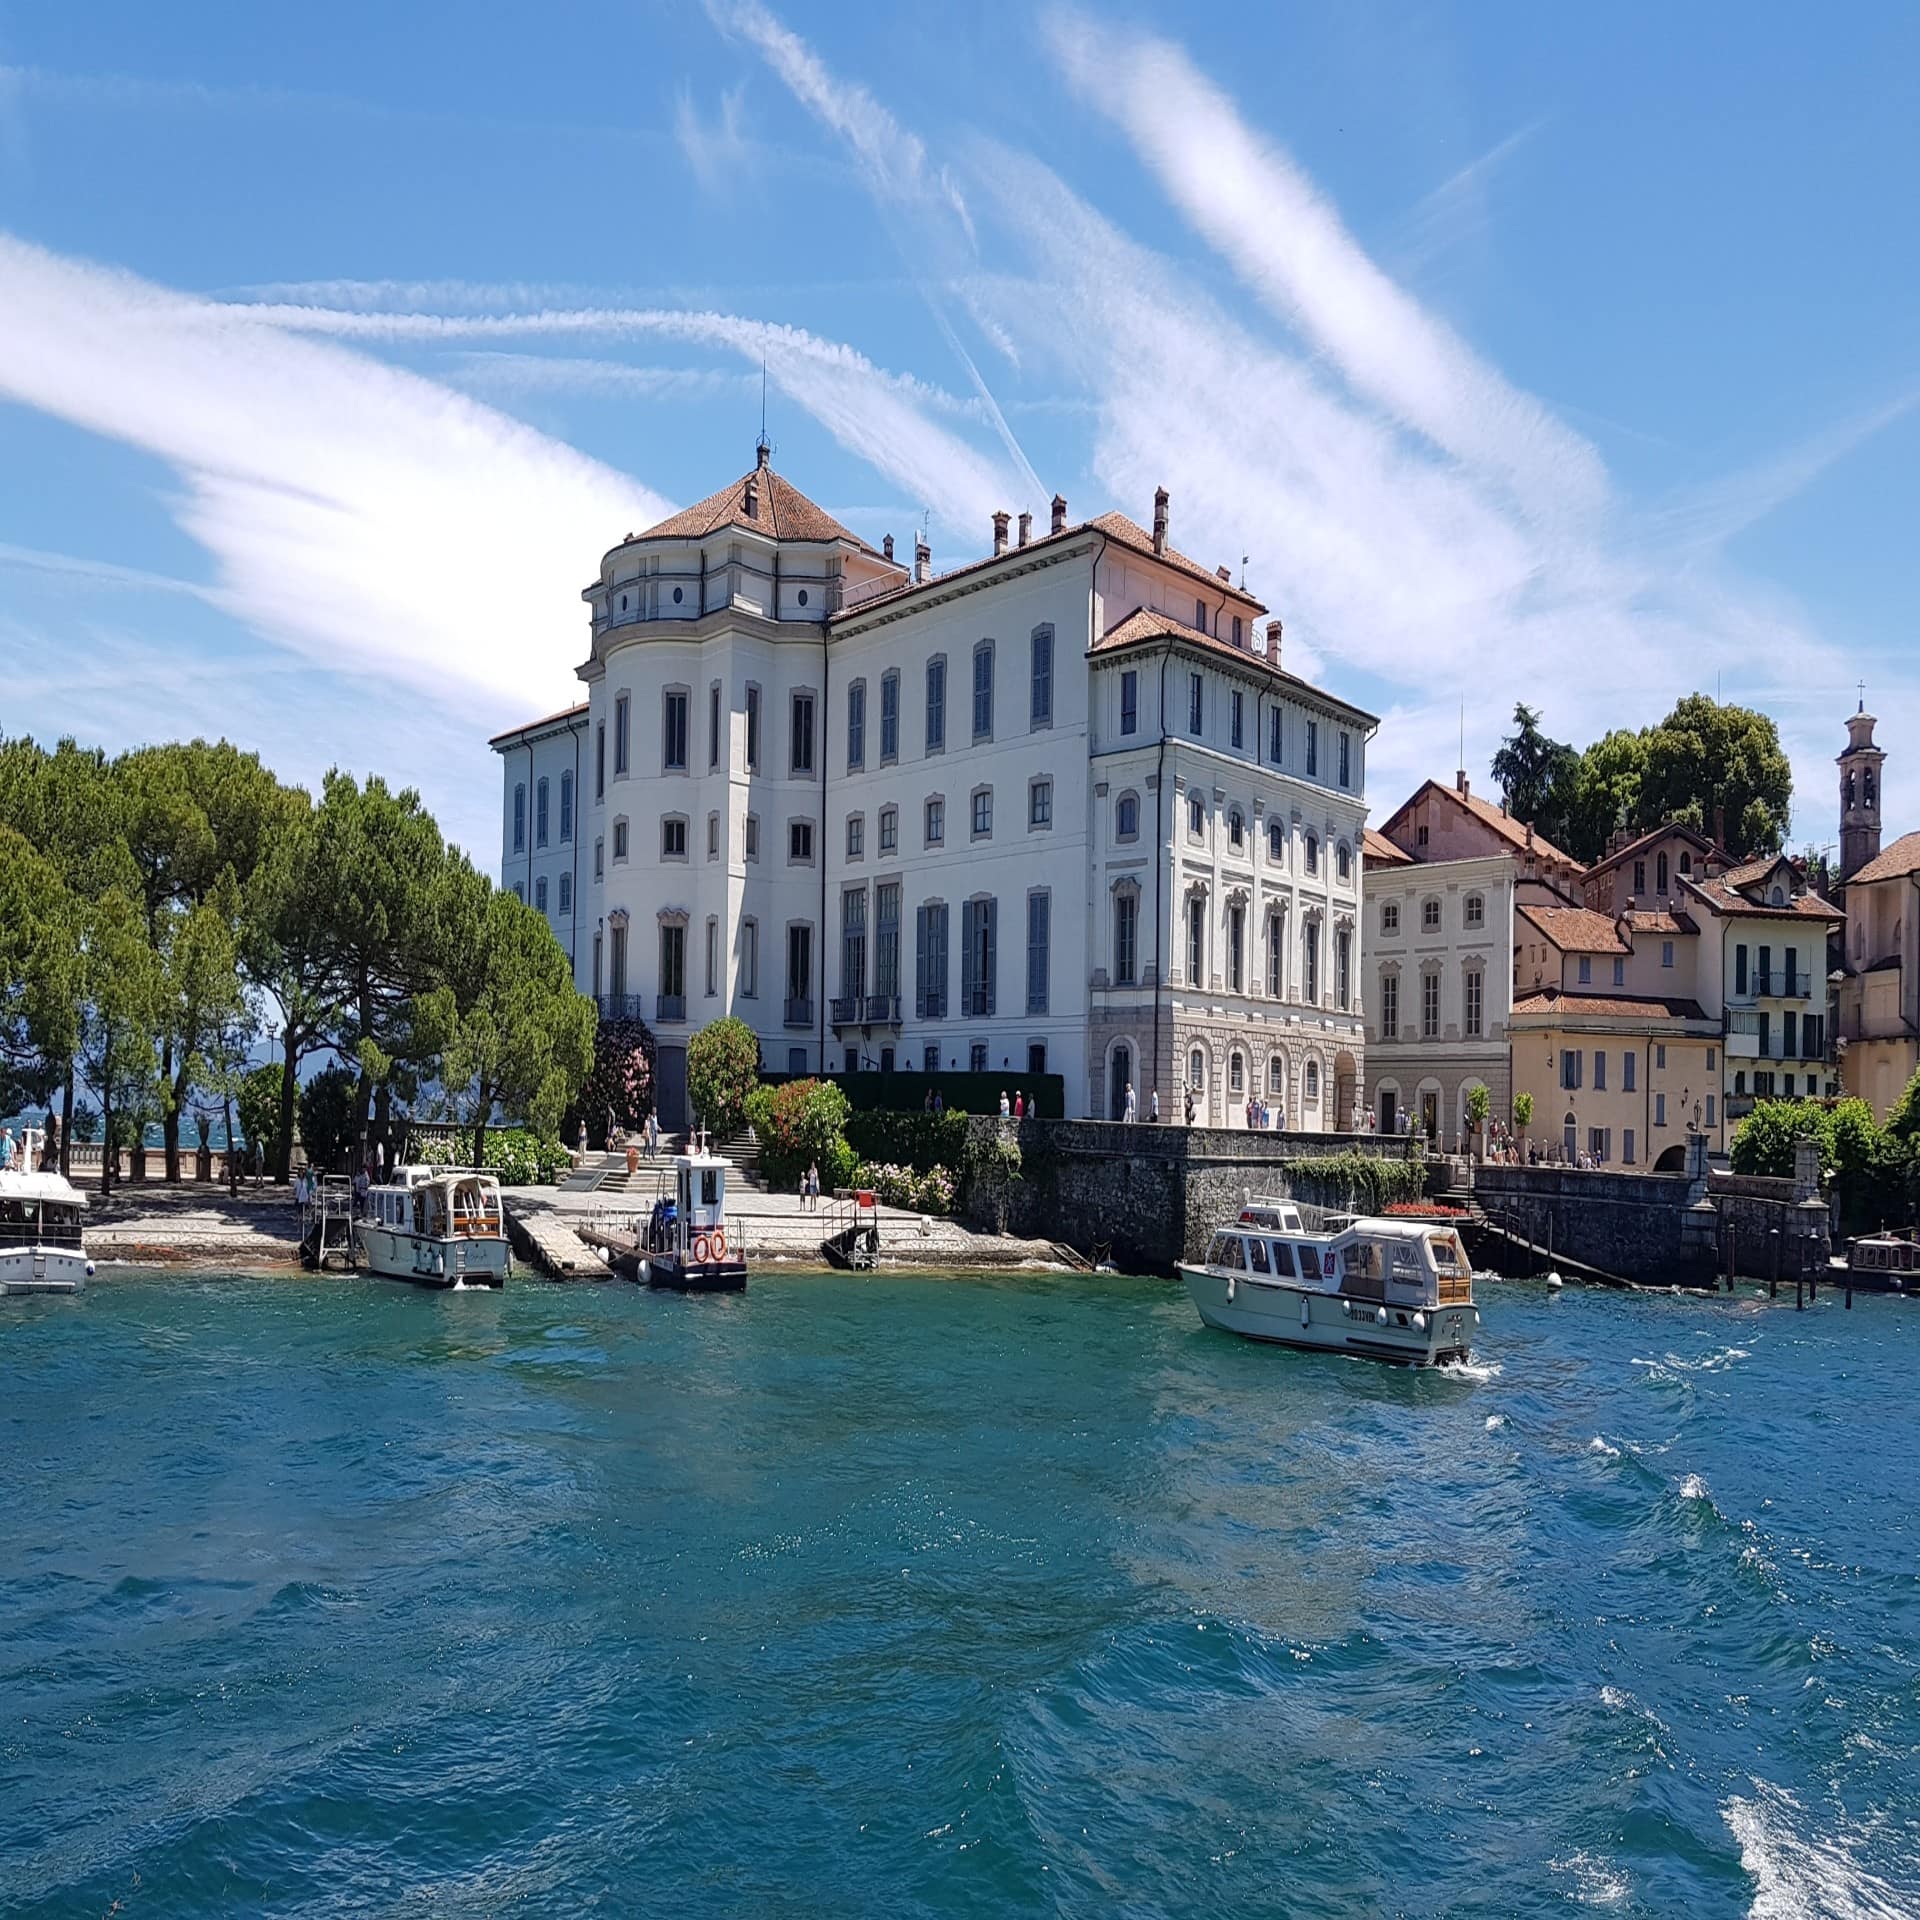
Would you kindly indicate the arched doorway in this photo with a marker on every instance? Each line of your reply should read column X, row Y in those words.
column 1387, row 1106
column 1673, row 1160
column 1570, row 1141
column 1119, row 1073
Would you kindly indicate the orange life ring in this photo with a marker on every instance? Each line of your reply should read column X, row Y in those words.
column 719, row 1243
column 701, row 1250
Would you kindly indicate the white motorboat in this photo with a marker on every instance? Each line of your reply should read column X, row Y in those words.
column 686, row 1242
column 41, row 1246
column 435, row 1226
column 1398, row 1290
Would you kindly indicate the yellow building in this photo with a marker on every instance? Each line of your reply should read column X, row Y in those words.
column 1620, row 1071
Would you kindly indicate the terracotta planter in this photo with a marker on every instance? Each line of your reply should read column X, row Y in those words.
column 633, row 1159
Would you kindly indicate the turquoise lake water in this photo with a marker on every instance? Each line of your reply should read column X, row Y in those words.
column 909, row 1596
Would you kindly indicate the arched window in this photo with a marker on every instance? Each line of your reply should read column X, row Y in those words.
column 1849, row 789
column 1276, row 843
column 1237, row 1071
column 1777, row 898
column 1660, row 874
column 1686, row 864
column 1343, row 862
column 1276, row 1074
column 1126, row 817
column 1236, row 830
column 1313, row 1080
column 1866, row 779
column 1197, row 1070
column 1313, row 854
column 1196, row 815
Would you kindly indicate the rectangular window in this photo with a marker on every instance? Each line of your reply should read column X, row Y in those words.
column 1129, row 701
column 889, row 829
column 622, row 735
column 1599, row 1070
column 1765, row 1022
column 1200, row 615
column 749, row 959
column 983, row 691
column 930, row 963
column 673, row 963
column 1040, row 803
column 753, row 836
column 856, row 725
column 1629, row 1070
column 520, row 819
column 673, row 732
column 1039, row 937
column 1236, row 949
column 1342, row 968
column 1711, row 1122
column 799, row 843
column 1196, row 704
column 1276, row 960
column 1196, row 939
column 983, row 813
column 977, row 968
column 713, row 730
column 1313, row 749
column 540, row 813
column 599, row 859
column 1273, row 736
column 889, row 717
column 1346, row 759
column 753, row 729
column 713, row 958
column 1237, row 710
column 1126, row 930
column 1626, row 1147
column 1789, row 1035
column 977, row 1056
column 1599, row 1144
column 1666, row 953
column 600, row 760
column 566, row 807
column 886, row 949
column 673, row 838
column 853, row 943
column 617, row 964
column 936, row 705
column 930, row 1057
column 1619, row 972
column 1310, row 963
column 619, row 839
column 596, row 966
column 799, row 969
column 1660, row 1055
column 1476, row 1003
column 1659, row 1109
column 540, row 893
column 1429, row 1006
column 1042, row 698
column 936, row 828
column 802, row 761
column 1389, row 1006
column 566, row 894
column 856, row 835
column 1586, row 970
column 1740, row 968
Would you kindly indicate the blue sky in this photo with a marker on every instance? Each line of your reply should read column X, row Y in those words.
column 1565, row 354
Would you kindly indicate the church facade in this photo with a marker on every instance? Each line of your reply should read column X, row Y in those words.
column 1060, row 809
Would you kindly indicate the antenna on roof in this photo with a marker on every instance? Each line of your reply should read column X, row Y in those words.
column 763, row 444
column 1243, row 573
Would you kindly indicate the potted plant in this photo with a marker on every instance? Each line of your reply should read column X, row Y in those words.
column 1522, row 1119
column 1479, row 1106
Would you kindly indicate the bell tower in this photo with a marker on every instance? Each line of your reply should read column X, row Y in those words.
column 1859, row 794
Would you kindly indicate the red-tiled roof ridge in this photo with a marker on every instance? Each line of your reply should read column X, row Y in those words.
column 785, row 514
column 1891, row 863
column 1509, row 828
column 1374, row 845
column 1643, row 840
column 545, row 720
column 1606, row 1005
column 1143, row 625
column 1130, row 533
column 1575, row 929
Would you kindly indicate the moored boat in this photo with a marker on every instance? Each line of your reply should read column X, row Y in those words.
column 435, row 1226
column 1396, row 1290
column 687, row 1242
column 42, row 1249
column 1881, row 1263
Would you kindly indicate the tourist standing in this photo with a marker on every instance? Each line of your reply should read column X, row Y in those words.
column 1130, row 1107
column 653, row 1136
column 6, row 1149
column 1006, row 1111
column 1020, row 1105
column 1153, row 1107
column 813, row 1187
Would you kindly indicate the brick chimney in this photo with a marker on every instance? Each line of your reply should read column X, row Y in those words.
column 1059, row 513
column 1273, row 643
column 752, row 500
column 1461, row 785
column 1026, row 528
column 886, row 546
column 922, row 560
column 1159, row 519
column 999, row 534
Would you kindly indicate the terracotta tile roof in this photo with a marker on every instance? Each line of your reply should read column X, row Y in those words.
column 534, row 726
column 1511, row 830
column 1578, row 1006
column 1576, row 929
column 1142, row 627
column 1650, row 920
column 1634, row 848
column 785, row 514
column 1129, row 533
column 1743, row 873
column 1378, row 848
column 1721, row 898
column 1891, row 863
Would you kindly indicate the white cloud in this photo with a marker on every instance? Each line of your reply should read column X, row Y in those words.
column 716, row 150
column 879, row 416
column 366, row 517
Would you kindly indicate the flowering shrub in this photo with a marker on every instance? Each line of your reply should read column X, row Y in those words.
column 799, row 1124
column 1426, row 1209
column 929, row 1192
column 515, row 1155
column 619, row 1090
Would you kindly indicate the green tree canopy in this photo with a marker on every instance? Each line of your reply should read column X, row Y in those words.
column 723, row 1068
column 1705, row 759
column 1535, row 774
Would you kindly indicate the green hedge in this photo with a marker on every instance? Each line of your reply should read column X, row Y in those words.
column 921, row 1141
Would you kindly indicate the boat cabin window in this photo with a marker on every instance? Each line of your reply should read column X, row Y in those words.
column 709, row 1187
column 1227, row 1252
column 1257, row 1253
column 1444, row 1250
column 1309, row 1262
column 1283, row 1260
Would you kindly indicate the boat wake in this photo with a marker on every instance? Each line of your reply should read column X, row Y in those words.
column 1596, row 1881
column 1801, row 1874
column 1478, row 1371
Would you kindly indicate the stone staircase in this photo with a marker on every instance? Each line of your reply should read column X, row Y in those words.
column 607, row 1176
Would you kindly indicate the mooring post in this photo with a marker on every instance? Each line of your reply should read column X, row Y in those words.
column 1773, row 1286
column 1733, row 1233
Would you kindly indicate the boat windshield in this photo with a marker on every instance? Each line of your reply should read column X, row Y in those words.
column 1227, row 1252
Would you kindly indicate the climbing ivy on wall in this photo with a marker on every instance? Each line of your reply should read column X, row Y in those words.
column 1355, row 1182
